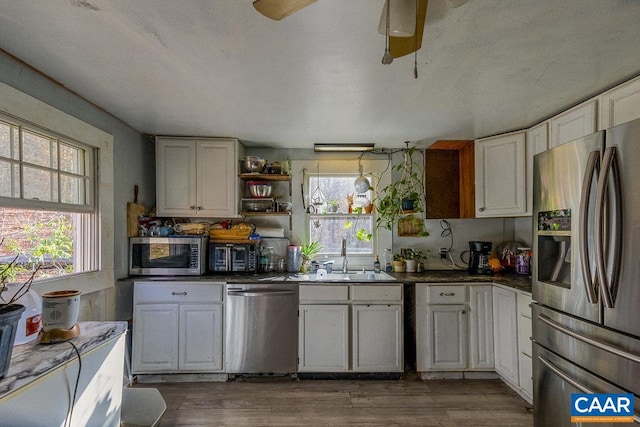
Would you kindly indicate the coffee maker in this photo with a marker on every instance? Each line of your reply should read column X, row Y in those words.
column 479, row 253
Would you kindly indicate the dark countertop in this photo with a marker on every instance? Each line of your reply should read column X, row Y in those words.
column 512, row 280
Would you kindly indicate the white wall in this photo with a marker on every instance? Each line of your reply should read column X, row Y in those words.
column 133, row 163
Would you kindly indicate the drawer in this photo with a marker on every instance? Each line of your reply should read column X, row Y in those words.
column 177, row 292
column 523, row 305
column 524, row 335
column 443, row 294
column 376, row 292
column 324, row 292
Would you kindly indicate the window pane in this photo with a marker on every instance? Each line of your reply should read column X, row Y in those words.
column 40, row 184
column 329, row 230
column 5, row 140
column 9, row 183
column 42, row 238
column 36, row 149
column 71, row 159
column 72, row 190
column 337, row 191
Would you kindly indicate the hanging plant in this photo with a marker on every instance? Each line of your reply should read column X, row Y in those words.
column 403, row 196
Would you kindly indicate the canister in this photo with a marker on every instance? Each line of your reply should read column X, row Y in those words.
column 523, row 258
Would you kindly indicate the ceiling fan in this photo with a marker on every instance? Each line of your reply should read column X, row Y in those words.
column 398, row 21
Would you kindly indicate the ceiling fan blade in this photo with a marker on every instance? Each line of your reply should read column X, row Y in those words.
column 401, row 46
column 456, row 3
column 280, row 9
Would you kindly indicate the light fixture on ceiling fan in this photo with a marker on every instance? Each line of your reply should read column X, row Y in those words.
column 403, row 38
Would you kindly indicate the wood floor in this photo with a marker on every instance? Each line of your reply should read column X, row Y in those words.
column 285, row 402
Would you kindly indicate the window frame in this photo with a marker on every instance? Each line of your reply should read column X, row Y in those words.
column 31, row 111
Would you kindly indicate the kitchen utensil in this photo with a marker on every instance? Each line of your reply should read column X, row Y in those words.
column 253, row 164
column 259, row 189
column 134, row 210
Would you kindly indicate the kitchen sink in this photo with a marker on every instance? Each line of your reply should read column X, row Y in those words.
column 356, row 276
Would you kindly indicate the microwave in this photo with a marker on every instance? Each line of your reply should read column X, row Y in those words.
column 232, row 257
column 168, row 256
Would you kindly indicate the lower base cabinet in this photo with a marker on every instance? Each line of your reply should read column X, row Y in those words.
column 177, row 327
column 453, row 328
column 350, row 328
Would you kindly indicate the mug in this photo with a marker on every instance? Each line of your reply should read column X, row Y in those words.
column 60, row 309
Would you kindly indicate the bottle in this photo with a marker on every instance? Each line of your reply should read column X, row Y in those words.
column 522, row 260
column 376, row 265
column 388, row 258
column 264, row 260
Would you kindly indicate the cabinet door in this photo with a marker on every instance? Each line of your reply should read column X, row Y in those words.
column 323, row 338
column 216, row 178
column 447, row 331
column 573, row 124
column 505, row 334
column 481, row 327
column 200, row 342
column 176, row 177
column 537, row 142
column 155, row 338
column 500, row 176
column 377, row 338
column 620, row 105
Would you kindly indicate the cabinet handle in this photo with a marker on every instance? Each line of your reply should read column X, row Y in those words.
column 447, row 294
column 179, row 293
column 199, row 208
column 191, row 208
column 464, row 311
column 481, row 209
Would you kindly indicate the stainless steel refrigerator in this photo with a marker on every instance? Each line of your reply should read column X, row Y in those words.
column 586, row 271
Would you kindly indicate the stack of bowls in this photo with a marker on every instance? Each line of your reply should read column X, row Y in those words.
column 253, row 164
column 259, row 189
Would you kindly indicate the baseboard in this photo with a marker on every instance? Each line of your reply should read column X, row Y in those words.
column 180, row 378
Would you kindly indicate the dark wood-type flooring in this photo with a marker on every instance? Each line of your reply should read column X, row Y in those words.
column 286, row 402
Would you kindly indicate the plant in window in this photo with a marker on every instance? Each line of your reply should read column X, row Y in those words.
column 403, row 196
column 333, row 206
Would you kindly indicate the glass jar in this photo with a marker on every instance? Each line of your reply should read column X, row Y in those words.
column 523, row 258
column 388, row 260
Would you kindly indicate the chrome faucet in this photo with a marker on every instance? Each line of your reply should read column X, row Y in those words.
column 343, row 254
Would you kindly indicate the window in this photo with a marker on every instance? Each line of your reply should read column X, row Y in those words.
column 337, row 212
column 47, row 213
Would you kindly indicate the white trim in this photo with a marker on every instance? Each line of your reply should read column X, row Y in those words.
column 18, row 104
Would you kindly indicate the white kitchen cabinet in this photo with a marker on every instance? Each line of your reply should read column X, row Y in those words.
column 574, row 123
column 177, row 327
column 481, row 347
column 500, row 169
column 377, row 338
column 454, row 331
column 620, row 104
column 323, row 338
column 197, row 177
column 351, row 328
column 537, row 142
column 505, row 334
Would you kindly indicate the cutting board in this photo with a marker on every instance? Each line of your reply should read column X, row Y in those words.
column 134, row 210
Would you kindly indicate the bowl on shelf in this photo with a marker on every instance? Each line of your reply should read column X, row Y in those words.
column 259, row 189
column 253, row 164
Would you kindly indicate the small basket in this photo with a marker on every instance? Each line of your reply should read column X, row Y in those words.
column 222, row 234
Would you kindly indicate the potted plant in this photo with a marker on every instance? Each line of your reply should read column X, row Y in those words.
column 308, row 251
column 412, row 258
column 398, row 263
column 10, row 313
column 402, row 196
column 333, row 206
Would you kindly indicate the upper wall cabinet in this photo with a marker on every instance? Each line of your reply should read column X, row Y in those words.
column 500, row 163
column 196, row 177
column 573, row 124
column 537, row 142
column 449, row 179
column 620, row 104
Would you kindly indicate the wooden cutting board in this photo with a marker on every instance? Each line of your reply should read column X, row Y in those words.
column 134, row 210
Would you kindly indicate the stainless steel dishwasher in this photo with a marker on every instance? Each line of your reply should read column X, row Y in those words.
column 261, row 328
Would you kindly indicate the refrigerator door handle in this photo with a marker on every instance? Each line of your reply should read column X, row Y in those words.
column 553, row 368
column 598, row 344
column 603, row 220
column 590, row 282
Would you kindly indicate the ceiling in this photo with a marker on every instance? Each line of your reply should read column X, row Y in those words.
column 219, row 68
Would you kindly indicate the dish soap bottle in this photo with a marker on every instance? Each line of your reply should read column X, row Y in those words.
column 376, row 265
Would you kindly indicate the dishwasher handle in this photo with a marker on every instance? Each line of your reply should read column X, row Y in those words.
column 258, row 292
